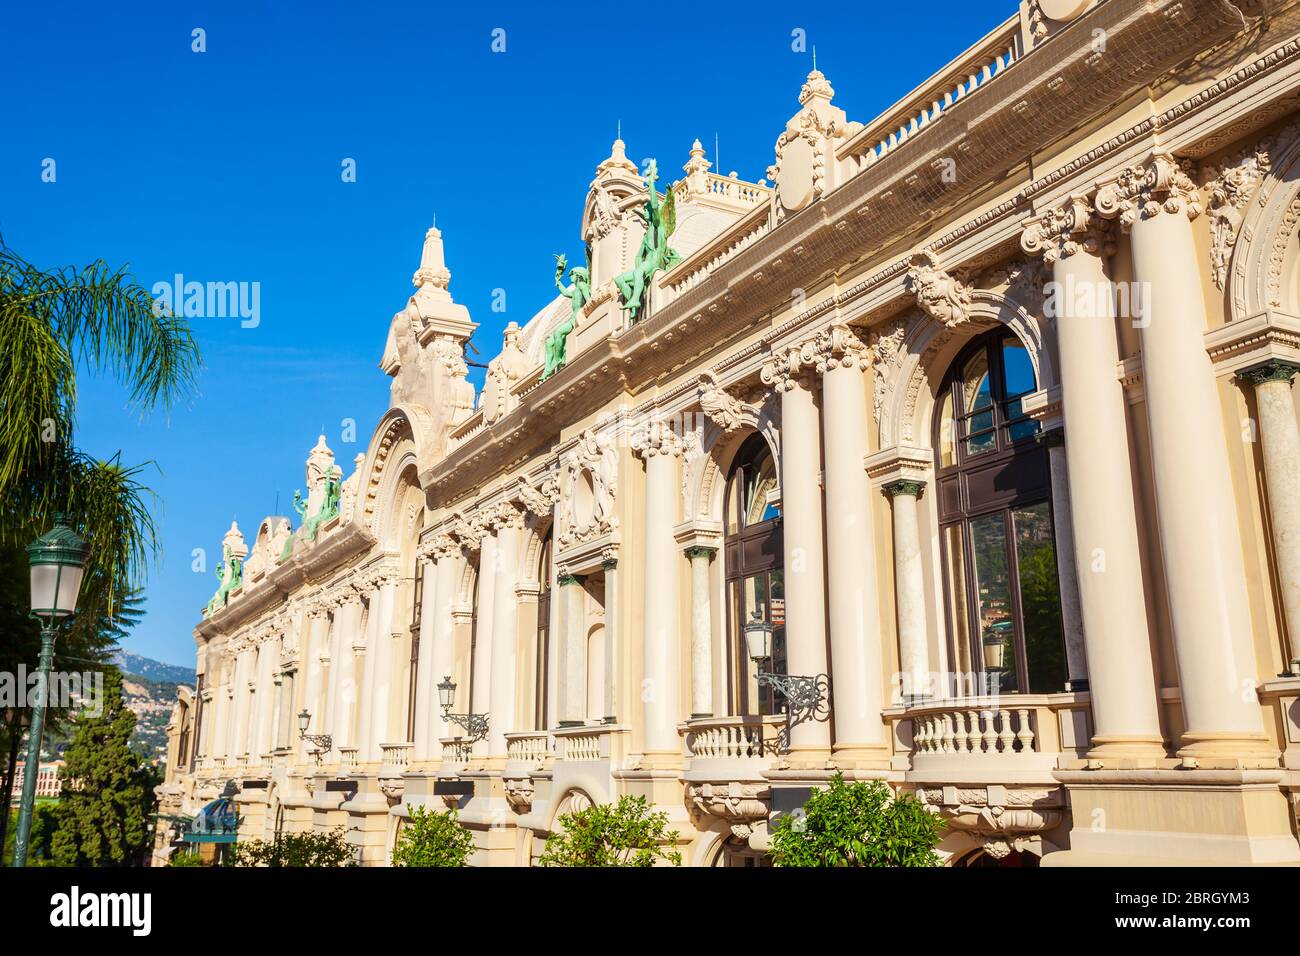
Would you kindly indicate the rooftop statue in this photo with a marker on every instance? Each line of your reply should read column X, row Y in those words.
column 230, row 576
column 579, row 294
column 655, row 255
column 329, row 508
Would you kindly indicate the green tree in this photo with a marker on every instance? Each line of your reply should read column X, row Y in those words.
column 857, row 824
column 295, row 849
column 432, row 839
column 106, row 809
column 620, row 834
column 51, row 322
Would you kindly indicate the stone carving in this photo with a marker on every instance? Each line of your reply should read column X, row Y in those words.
column 502, row 374
column 324, row 486
column 941, row 295
column 886, row 347
column 1232, row 184
column 655, row 255
column 348, row 493
column 837, row 345
column 595, row 461
column 578, row 293
column 1065, row 230
column 722, row 408
column 230, row 575
column 519, row 793
column 1144, row 191
column 538, row 501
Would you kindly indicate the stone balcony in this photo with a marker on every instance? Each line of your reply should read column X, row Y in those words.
column 530, row 756
column 726, row 760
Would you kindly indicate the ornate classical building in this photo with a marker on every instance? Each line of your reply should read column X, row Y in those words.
column 960, row 453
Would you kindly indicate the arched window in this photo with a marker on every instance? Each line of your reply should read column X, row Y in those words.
column 754, row 572
column 994, row 500
column 541, row 717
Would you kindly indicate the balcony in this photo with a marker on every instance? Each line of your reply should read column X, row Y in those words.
column 394, row 758
column 529, row 754
column 586, row 743
column 729, row 748
column 348, row 759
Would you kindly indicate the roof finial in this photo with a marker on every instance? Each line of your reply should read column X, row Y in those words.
column 814, row 56
column 620, row 130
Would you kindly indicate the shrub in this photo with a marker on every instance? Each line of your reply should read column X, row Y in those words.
column 432, row 839
column 185, row 858
column 621, row 834
column 858, row 824
column 295, row 849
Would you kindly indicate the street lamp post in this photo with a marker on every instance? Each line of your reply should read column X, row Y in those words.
column 807, row 698
column 476, row 725
column 58, row 560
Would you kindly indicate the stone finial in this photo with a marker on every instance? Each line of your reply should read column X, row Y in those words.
column 816, row 86
column 433, row 266
column 617, row 162
column 233, row 542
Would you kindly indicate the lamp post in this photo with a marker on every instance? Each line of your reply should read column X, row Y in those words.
column 807, row 698
column 57, row 560
column 476, row 725
column 324, row 742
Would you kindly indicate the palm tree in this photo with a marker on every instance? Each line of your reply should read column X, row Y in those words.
column 52, row 321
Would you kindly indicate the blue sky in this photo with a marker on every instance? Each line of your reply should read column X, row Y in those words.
column 226, row 166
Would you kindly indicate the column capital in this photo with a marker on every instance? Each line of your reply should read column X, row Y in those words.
column 1068, row 229
column 837, row 346
column 789, row 367
column 656, row 438
column 1274, row 370
column 1145, row 190
column 566, row 578
column 699, row 551
column 904, row 486
column 1051, row 437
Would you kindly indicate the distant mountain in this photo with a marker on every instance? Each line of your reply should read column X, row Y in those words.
column 150, row 690
column 154, row 670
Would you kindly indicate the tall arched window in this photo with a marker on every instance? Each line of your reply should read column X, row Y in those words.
column 543, row 633
column 754, row 572
column 994, row 500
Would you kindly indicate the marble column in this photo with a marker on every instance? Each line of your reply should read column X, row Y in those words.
column 572, row 687
column 660, row 447
column 426, row 692
column 443, row 636
column 791, row 373
column 243, row 702
column 502, row 716
column 1200, row 538
column 1280, row 437
column 266, row 654
column 610, row 567
column 318, row 625
column 343, row 670
column 701, row 633
column 286, row 720
column 1098, row 468
column 909, row 588
column 857, row 667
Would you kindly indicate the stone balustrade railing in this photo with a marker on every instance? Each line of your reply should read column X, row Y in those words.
column 347, row 759
column 929, row 102
column 729, row 738
column 395, row 756
column 699, row 265
column 730, row 188
column 979, row 729
column 596, row 742
column 530, row 747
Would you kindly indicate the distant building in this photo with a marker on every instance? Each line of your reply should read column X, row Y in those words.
column 47, row 780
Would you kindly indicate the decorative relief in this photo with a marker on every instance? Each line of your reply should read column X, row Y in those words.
column 1232, row 183
column 592, row 467
column 539, row 501
column 941, row 295
column 789, row 368
column 1061, row 232
column 886, row 348
column 1162, row 184
column 835, row 346
column 722, row 408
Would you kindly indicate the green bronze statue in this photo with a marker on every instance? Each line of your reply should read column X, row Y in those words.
column 655, row 255
column 328, row 509
column 229, row 577
column 579, row 294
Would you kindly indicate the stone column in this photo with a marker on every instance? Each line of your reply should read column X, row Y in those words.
column 701, row 633
column 343, row 673
column 1199, row 536
column 505, row 631
column 286, row 722
column 790, row 372
column 661, row 650
column 909, row 587
column 205, row 725
column 856, row 652
column 242, row 703
column 317, row 634
column 379, row 654
column 610, row 567
column 1281, row 447
column 426, row 692
column 479, row 699
column 443, row 649
column 1101, row 500
column 265, row 696
column 573, row 651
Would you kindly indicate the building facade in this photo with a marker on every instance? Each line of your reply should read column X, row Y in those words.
column 979, row 415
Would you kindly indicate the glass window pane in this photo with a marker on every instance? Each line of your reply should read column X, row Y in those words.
column 1040, row 600
column 947, row 437
column 976, row 392
column 1017, row 369
column 993, row 597
column 955, row 548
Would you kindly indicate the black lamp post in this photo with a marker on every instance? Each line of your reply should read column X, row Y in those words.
column 58, row 561
column 324, row 742
column 807, row 698
column 476, row 725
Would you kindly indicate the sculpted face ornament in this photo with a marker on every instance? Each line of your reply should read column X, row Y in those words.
column 939, row 294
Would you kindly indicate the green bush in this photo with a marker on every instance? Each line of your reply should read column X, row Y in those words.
column 858, row 824
column 432, row 839
column 185, row 858
column 295, row 849
column 621, row 834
